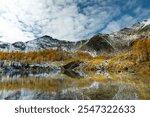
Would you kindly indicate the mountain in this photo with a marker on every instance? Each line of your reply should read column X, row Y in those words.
column 120, row 40
column 99, row 43
column 45, row 42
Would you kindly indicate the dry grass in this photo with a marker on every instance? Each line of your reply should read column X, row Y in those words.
column 93, row 65
column 137, row 59
column 35, row 57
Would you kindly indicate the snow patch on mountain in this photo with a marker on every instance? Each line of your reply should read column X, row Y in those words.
column 146, row 22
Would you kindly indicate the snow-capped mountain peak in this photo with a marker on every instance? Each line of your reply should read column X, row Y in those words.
column 141, row 25
column 146, row 22
column 45, row 42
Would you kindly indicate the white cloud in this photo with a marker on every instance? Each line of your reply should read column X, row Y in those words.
column 10, row 32
column 144, row 12
column 27, row 19
column 63, row 19
column 131, row 3
column 124, row 21
column 112, row 27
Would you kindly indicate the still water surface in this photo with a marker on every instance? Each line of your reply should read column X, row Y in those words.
column 73, row 86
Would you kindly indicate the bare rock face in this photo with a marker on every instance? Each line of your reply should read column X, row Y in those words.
column 45, row 42
column 72, row 65
column 19, row 45
column 4, row 46
column 98, row 43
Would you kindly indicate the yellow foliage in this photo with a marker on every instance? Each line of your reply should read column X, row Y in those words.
column 93, row 64
column 141, row 50
column 139, row 53
column 81, row 54
column 34, row 57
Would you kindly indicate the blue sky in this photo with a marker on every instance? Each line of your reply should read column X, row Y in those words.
column 72, row 20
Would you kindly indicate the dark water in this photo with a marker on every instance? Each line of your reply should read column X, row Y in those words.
column 71, row 85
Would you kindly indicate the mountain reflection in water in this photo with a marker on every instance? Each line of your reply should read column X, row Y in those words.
column 73, row 86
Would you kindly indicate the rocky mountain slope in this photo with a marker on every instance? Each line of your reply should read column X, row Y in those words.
column 42, row 43
column 119, row 40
